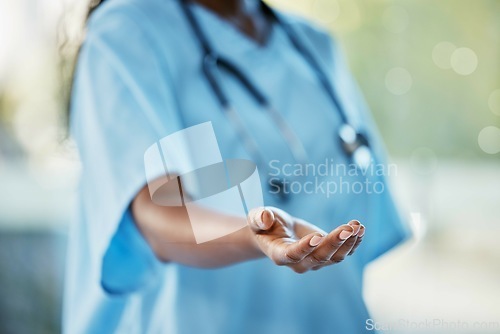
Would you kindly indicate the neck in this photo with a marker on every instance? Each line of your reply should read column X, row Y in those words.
column 244, row 15
column 226, row 8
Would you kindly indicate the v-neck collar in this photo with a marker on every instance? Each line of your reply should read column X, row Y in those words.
column 226, row 39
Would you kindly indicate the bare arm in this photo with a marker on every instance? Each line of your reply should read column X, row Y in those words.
column 270, row 232
column 168, row 231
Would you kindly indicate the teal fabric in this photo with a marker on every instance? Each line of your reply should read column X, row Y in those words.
column 138, row 80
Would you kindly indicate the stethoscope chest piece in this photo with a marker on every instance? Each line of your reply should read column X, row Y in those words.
column 356, row 146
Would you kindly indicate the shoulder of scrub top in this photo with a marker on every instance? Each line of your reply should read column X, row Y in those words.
column 146, row 27
column 149, row 16
column 315, row 36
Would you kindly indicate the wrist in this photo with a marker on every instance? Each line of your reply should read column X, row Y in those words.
column 253, row 244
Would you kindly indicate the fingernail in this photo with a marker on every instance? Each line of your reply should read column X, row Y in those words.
column 315, row 241
column 270, row 213
column 356, row 229
column 258, row 219
column 361, row 231
column 345, row 234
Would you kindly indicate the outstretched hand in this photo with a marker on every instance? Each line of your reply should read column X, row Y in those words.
column 300, row 245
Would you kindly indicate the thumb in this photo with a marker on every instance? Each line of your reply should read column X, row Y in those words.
column 260, row 219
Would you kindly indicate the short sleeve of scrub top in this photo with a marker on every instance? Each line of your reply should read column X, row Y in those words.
column 138, row 79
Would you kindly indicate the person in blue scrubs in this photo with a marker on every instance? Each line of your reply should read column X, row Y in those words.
column 133, row 266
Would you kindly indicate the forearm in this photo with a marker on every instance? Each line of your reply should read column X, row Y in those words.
column 170, row 235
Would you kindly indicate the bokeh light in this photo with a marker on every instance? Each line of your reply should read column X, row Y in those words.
column 489, row 139
column 464, row 61
column 494, row 102
column 398, row 81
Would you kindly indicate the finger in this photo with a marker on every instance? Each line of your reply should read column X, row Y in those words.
column 297, row 251
column 358, row 227
column 347, row 246
column 360, row 235
column 331, row 244
column 260, row 219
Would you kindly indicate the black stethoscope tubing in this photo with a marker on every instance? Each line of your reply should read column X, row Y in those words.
column 351, row 140
column 211, row 59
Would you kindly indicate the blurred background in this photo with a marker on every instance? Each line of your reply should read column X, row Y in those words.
column 430, row 71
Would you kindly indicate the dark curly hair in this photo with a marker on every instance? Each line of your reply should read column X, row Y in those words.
column 69, row 55
column 93, row 6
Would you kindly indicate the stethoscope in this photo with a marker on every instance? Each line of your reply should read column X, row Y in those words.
column 354, row 143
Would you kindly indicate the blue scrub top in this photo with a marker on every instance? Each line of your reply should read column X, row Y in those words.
column 138, row 80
